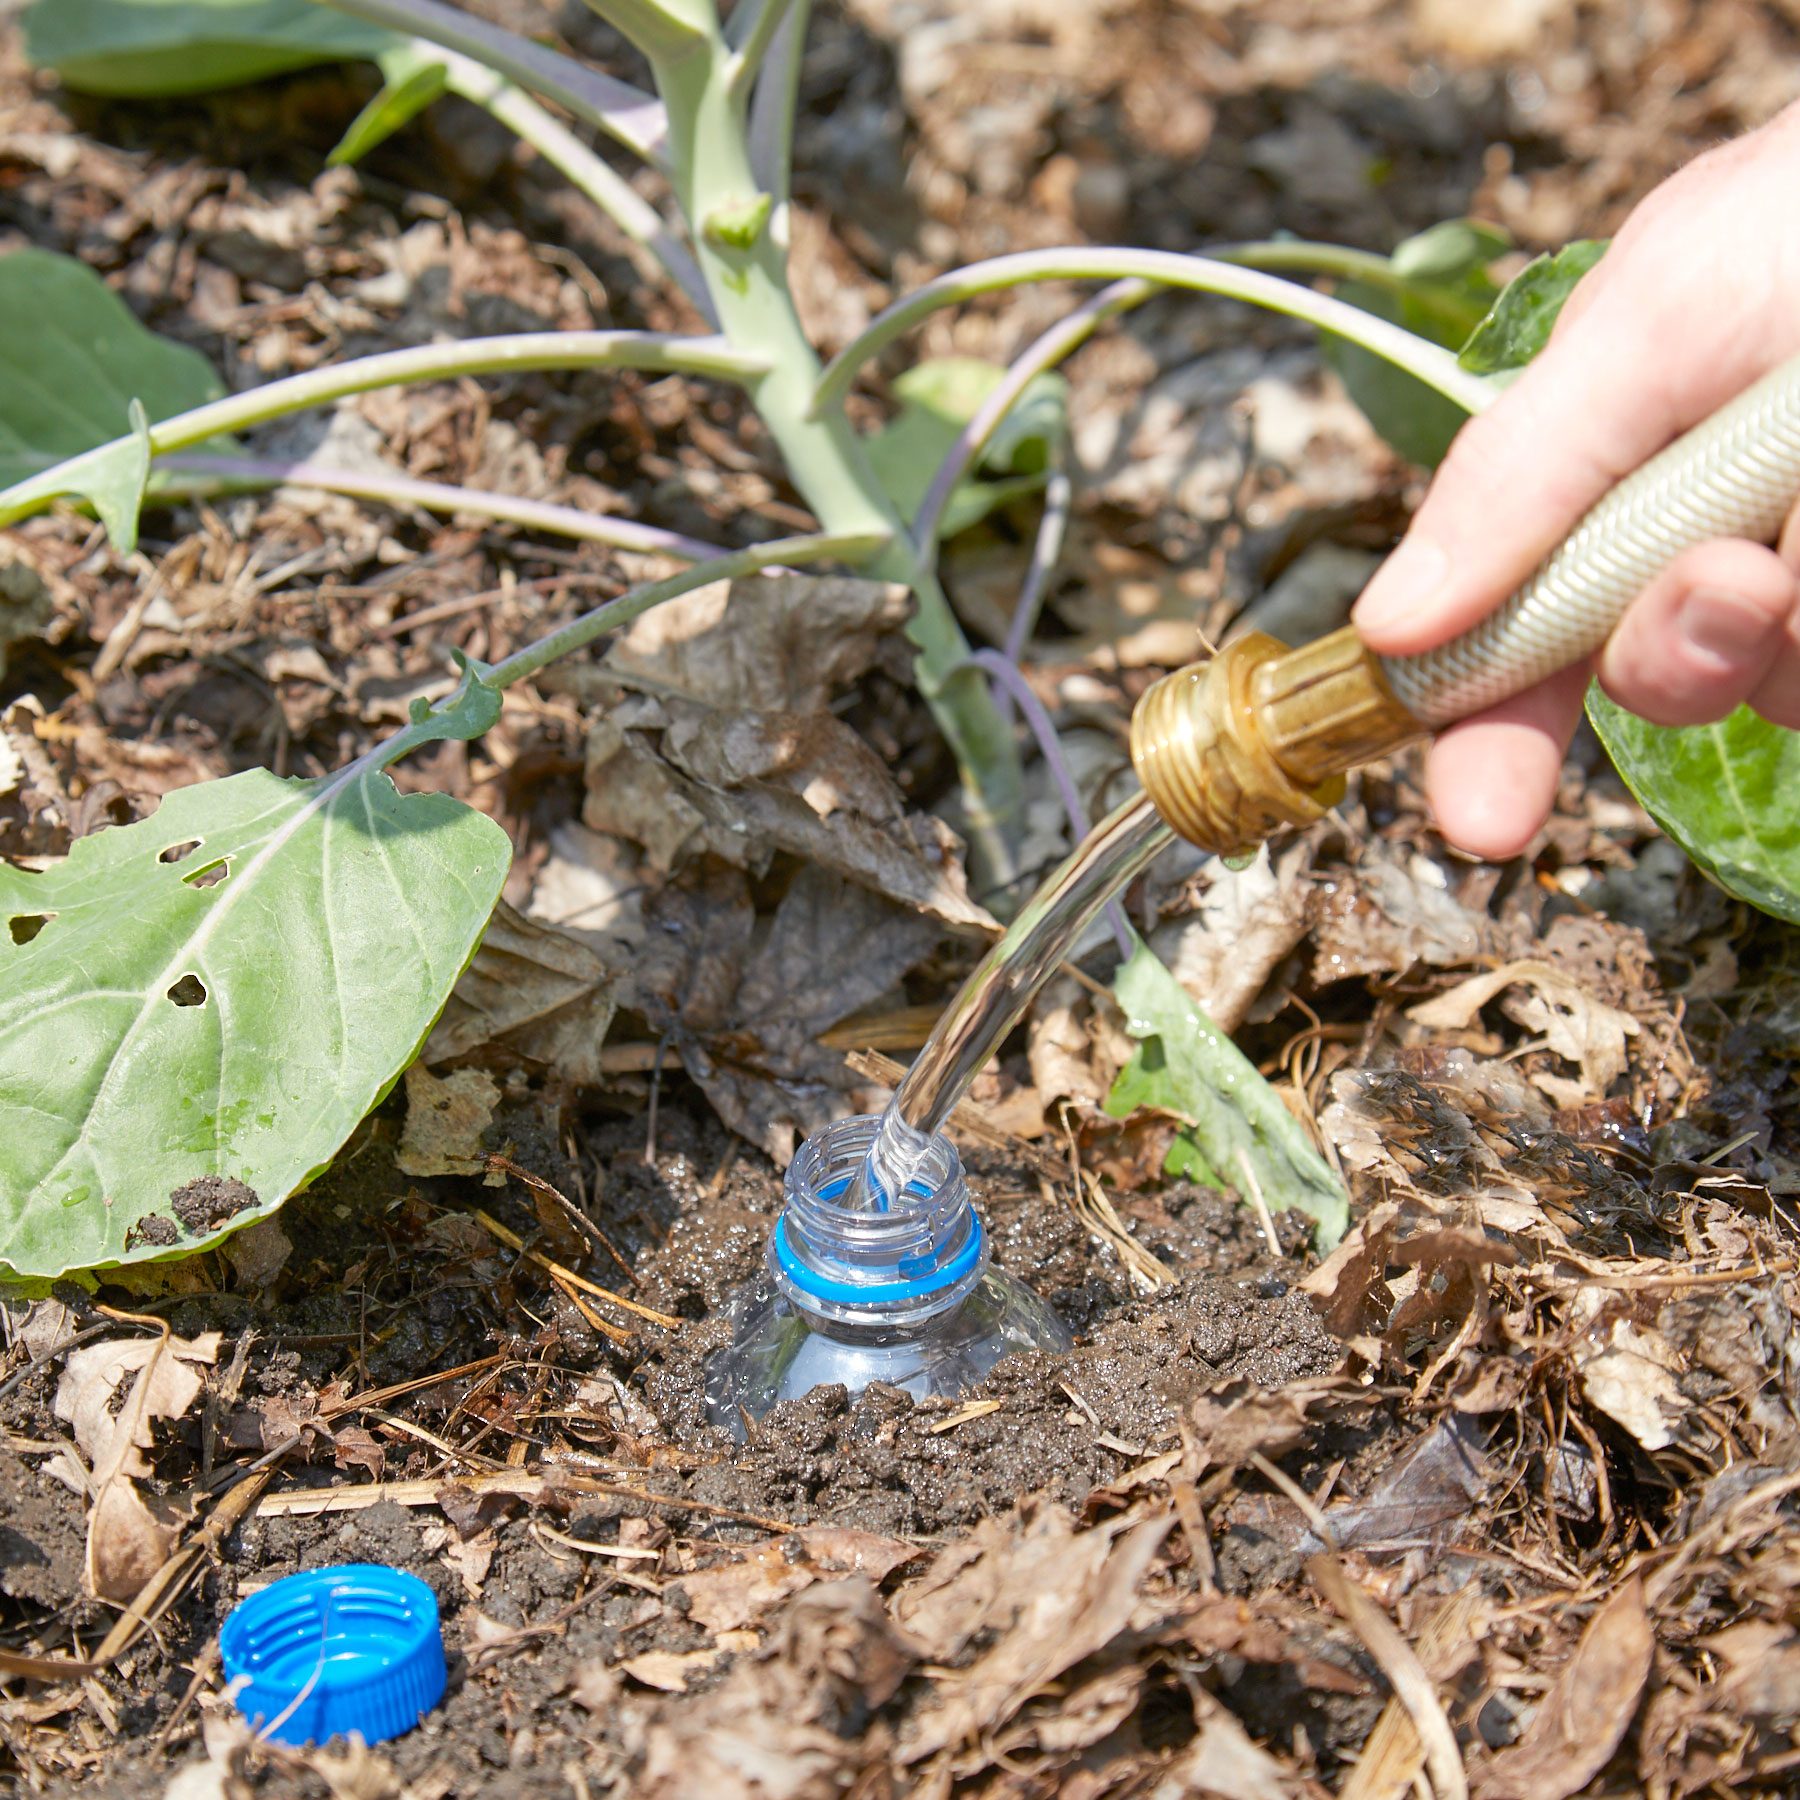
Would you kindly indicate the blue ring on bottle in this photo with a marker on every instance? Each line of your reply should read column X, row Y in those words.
column 876, row 1293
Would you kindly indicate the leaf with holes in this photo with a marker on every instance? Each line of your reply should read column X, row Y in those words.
column 149, row 47
column 74, row 364
column 221, row 990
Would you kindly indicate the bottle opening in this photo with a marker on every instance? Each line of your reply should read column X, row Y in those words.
column 896, row 1263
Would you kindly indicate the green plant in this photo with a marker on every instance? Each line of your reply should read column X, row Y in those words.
column 104, row 1116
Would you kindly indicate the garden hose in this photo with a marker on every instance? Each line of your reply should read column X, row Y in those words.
column 1260, row 736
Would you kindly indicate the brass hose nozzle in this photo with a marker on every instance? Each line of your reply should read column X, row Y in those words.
column 1231, row 750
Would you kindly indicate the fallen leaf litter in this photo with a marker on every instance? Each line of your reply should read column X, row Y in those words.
column 1513, row 1465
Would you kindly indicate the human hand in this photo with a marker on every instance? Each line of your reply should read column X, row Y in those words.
column 1698, row 296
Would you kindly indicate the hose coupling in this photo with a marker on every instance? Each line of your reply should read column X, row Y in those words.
column 1259, row 737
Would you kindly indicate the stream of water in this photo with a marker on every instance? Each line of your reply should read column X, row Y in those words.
column 994, row 998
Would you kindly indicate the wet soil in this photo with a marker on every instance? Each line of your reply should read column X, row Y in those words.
column 390, row 1280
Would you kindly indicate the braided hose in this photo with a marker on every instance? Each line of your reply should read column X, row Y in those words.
column 1735, row 475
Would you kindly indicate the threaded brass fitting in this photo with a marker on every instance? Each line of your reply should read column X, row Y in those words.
column 1232, row 749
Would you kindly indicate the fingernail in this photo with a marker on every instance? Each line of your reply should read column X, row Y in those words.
column 1724, row 626
column 1407, row 583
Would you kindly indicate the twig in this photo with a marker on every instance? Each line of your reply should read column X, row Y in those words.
column 572, row 1294
column 1406, row 1675
column 81, row 1337
column 513, row 1241
column 524, row 1484
column 570, row 1210
column 1257, row 1202
column 1394, row 1753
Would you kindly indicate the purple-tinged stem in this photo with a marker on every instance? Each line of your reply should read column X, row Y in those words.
column 636, row 119
column 1007, row 674
column 1060, row 341
column 1430, row 362
column 443, row 497
column 769, row 132
column 1046, row 548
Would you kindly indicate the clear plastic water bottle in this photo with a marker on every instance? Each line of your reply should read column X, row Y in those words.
column 897, row 1291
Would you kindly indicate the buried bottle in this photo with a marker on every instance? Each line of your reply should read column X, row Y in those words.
column 899, row 1292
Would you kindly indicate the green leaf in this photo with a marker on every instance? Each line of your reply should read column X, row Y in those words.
column 1518, row 324
column 1454, row 254
column 225, row 988
column 1186, row 1067
column 1728, row 794
column 74, row 362
column 116, row 479
column 411, row 78
column 1444, row 289
column 138, row 48
column 938, row 398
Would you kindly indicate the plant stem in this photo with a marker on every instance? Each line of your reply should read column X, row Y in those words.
column 745, row 267
column 1432, row 364
column 1046, row 549
column 773, row 104
column 1005, row 671
column 531, row 350
column 750, row 42
column 663, row 29
column 848, row 547
column 443, row 497
column 1301, row 256
column 566, row 153
column 623, row 112
column 1061, row 340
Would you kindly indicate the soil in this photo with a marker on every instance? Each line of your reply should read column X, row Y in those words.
column 1537, row 1416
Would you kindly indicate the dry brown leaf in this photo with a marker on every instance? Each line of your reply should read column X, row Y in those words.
column 1243, row 1419
column 1632, row 1381
column 669, row 1670
column 686, row 781
column 1443, row 1477
column 1051, row 1597
column 1578, row 1027
column 1584, row 1717
column 533, row 994
column 1075, row 1720
column 748, row 1020
column 127, row 1543
column 257, row 1254
column 1384, row 917
column 445, row 1120
column 740, row 1591
column 592, row 886
column 1248, row 921
column 1222, row 1762
column 773, row 642
column 1762, row 1669
column 793, row 1723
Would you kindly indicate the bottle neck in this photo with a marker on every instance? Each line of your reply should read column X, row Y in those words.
column 887, row 1272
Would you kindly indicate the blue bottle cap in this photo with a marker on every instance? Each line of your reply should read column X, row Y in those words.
column 331, row 1651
